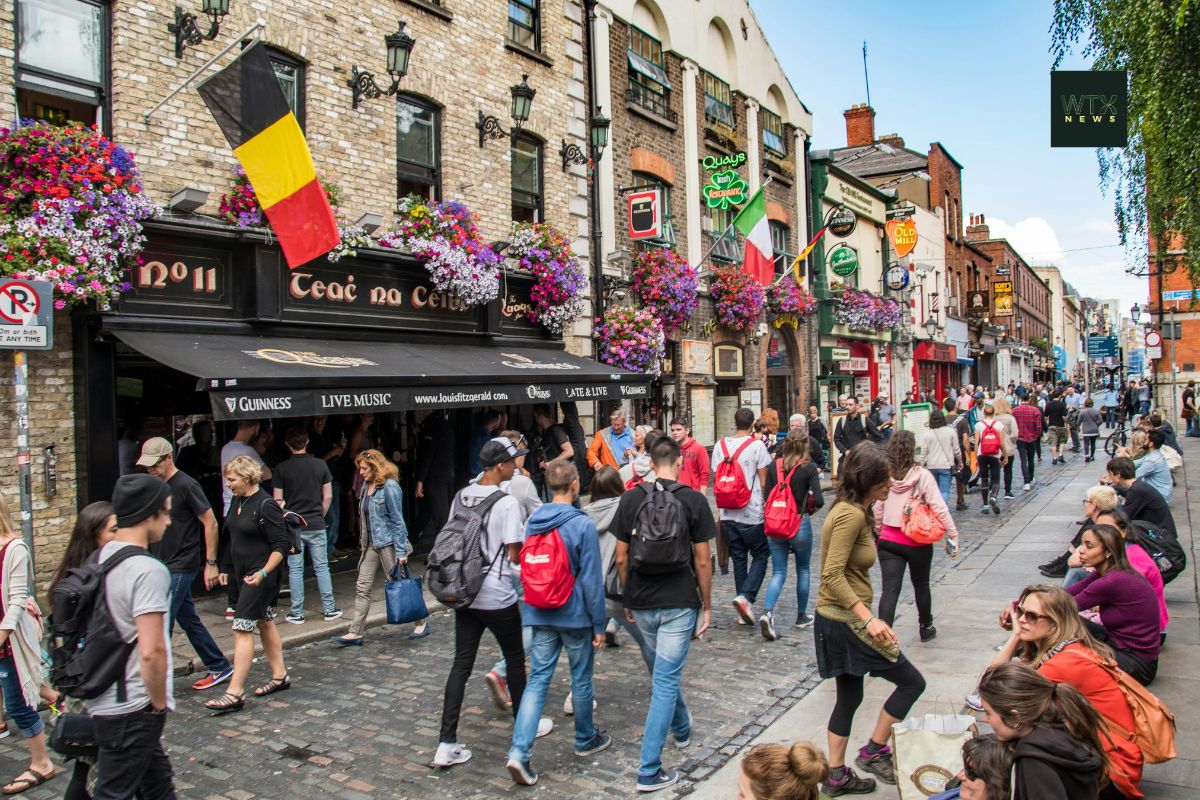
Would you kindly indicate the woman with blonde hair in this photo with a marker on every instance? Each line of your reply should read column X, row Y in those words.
column 258, row 542
column 21, row 653
column 383, row 537
column 1005, row 417
column 782, row 772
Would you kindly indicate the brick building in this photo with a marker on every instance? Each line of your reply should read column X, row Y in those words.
column 424, row 140
column 687, row 84
column 1173, row 313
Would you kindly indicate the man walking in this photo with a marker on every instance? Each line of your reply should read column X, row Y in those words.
column 665, row 605
column 1189, row 410
column 1074, row 403
column 694, row 472
column 743, row 525
column 962, row 429
column 188, row 545
column 853, row 428
column 304, row 484
column 1056, row 419
column 130, row 715
column 1029, row 428
column 611, row 446
column 576, row 625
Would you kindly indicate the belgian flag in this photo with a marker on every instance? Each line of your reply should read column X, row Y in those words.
column 253, row 114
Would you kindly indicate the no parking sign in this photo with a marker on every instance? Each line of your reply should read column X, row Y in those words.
column 26, row 315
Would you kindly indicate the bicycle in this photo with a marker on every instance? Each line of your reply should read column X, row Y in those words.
column 1117, row 439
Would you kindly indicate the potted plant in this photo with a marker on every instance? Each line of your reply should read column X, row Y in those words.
column 632, row 339
column 738, row 299
column 865, row 312
column 557, row 294
column 786, row 299
column 666, row 284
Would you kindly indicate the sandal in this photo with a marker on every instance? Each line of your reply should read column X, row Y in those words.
column 226, row 704
column 24, row 784
column 273, row 685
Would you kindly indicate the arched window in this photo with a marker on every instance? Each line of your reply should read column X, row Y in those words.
column 526, row 178
column 418, row 148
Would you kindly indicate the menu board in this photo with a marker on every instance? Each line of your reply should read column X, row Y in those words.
column 700, row 401
column 915, row 418
column 727, row 406
column 862, row 388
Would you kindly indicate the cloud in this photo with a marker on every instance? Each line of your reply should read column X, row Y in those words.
column 1032, row 237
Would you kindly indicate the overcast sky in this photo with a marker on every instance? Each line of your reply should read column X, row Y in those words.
column 975, row 77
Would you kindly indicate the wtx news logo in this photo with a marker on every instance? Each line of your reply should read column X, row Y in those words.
column 1089, row 109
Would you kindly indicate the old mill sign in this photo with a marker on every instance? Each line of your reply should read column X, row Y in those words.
column 902, row 235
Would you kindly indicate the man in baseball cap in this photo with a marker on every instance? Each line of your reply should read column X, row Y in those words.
column 497, row 451
column 189, row 545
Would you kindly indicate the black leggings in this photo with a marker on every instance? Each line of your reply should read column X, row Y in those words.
column 1135, row 666
column 893, row 558
column 1089, row 446
column 989, row 476
column 469, row 625
column 909, row 687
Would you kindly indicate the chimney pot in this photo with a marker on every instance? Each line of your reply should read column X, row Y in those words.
column 860, row 125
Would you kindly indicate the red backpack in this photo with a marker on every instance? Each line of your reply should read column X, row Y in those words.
column 546, row 570
column 990, row 443
column 781, row 518
column 729, row 483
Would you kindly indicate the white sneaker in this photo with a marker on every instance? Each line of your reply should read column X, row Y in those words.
column 569, row 705
column 449, row 754
column 766, row 624
column 1028, row 486
column 545, row 725
column 742, row 606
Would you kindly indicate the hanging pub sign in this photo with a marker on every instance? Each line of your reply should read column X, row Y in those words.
column 902, row 235
column 725, row 188
column 896, row 278
column 977, row 304
column 843, row 260
column 842, row 221
column 645, row 214
column 1002, row 291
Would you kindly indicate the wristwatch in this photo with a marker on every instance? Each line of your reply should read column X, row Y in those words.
column 211, row 562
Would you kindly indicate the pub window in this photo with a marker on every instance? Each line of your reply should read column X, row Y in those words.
column 646, row 181
column 780, row 241
column 418, row 148
column 526, row 179
column 718, row 101
column 524, row 23
column 722, row 237
column 61, row 60
column 290, row 74
column 772, row 133
column 648, row 83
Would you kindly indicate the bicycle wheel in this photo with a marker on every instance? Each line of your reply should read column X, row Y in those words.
column 1115, row 440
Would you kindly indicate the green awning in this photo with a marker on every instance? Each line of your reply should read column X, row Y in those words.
column 648, row 69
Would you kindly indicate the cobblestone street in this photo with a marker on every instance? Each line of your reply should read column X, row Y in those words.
column 362, row 723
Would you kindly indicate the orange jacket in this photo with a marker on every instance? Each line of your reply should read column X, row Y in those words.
column 599, row 453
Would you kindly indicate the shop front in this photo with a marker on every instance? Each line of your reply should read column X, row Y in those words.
column 216, row 328
column 850, row 368
column 935, row 371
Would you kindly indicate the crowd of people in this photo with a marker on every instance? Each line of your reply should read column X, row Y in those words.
column 519, row 555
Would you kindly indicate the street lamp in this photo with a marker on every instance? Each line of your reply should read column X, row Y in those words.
column 931, row 326
column 399, row 48
column 187, row 31
column 522, row 99
column 574, row 154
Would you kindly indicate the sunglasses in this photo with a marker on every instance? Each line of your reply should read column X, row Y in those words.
column 368, row 456
column 1031, row 617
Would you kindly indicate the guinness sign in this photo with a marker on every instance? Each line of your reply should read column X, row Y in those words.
column 842, row 221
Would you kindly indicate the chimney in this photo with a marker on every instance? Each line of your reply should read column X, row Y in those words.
column 978, row 230
column 860, row 125
column 892, row 139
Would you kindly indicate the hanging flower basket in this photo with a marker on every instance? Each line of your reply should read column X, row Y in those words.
column 557, row 294
column 865, row 312
column 785, row 297
column 666, row 284
column 71, row 206
column 447, row 236
column 632, row 339
column 738, row 299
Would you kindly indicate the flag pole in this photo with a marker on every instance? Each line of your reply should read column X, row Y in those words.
column 258, row 25
column 728, row 227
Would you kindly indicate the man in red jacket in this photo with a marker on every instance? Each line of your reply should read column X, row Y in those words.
column 694, row 472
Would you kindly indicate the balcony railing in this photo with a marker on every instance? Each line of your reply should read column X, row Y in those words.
column 654, row 102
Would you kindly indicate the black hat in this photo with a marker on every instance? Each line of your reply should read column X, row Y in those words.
column 138, row 496
column 499, row 450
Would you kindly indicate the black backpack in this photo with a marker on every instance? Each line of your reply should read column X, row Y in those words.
column 659, row 542
column 87, row 653
column 457, row 565
column 1163, row 549
column 293, row 523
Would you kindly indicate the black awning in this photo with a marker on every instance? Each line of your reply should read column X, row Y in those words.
column 251, row 377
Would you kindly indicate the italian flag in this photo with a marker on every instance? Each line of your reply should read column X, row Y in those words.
column 751, row 222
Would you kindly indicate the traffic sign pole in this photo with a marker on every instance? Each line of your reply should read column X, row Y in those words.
column 24, row 478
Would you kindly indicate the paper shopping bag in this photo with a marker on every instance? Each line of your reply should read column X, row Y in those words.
column 927, row 751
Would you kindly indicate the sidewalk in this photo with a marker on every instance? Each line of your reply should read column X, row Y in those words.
column 967, row 599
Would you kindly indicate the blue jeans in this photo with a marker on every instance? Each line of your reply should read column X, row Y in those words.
column 668, row 633
column 747, row 543
column 943, row 478
column 316, row 544
column 548, row 643
column 799, row 546
column 333, row 518
column 183, row 611
column 1074, row 575
column 27, row 720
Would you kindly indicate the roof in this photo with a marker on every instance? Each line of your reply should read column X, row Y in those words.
column 874, row 161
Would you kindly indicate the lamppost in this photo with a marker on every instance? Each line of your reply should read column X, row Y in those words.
column 187, row 30
column 399, row 48
column 522, row 99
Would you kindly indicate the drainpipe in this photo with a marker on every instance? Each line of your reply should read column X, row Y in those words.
column 594, row 184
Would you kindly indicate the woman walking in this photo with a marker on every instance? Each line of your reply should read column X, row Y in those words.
column 1005, row 417
column 804, row 482
column 850, row 642
column 1089, row 429
column 258, row 545
column 943, row 453
column 990, row 435
column 910, row 484
column 383, row 537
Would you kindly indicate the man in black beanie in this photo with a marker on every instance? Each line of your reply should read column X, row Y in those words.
column 129, row 725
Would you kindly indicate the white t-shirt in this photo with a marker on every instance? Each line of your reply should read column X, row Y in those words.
column 137, row 586
column 229, row 452
column 752, row 459
column 505, row 526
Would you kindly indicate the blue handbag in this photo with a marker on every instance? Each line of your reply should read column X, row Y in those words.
column 405, row 600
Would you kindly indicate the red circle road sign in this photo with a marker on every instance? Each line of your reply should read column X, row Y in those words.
column 1153, row 339
column 18, row 302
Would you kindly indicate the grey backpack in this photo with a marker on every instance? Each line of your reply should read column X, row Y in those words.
column 457, row 564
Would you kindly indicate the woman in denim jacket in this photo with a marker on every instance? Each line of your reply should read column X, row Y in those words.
column 383, row 538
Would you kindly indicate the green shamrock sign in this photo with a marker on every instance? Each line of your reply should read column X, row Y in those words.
column 725, row 189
